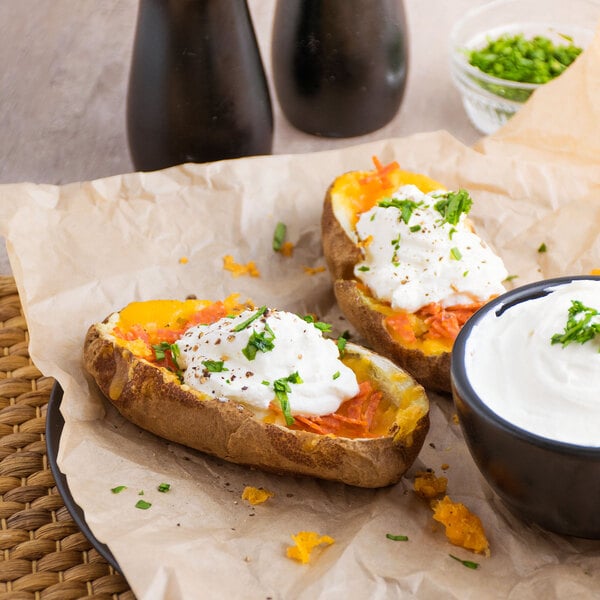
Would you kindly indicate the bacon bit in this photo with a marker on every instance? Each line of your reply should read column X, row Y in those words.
column 427, row 485
column 463, row 528
column 238, row 269
column 305, row 542
column 256, row 495
column 287, row 249
column 183, row 260
column 313, row 270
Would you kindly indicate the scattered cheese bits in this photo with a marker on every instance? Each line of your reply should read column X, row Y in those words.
column 237, row 269
column 455, row 419
column 183, row 260
column 313, row 270
column 463, row 528
column 305, row 542
column 427, row 485
column 595, row 272
column 256, row 495
column 287, row 249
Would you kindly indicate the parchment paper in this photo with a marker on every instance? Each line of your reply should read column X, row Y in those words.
column 81, row 251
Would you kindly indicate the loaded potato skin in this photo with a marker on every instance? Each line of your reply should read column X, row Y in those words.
column 418, row 335
column 154, row 398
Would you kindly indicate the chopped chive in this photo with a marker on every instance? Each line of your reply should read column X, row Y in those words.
column 455, row 253
column 364, row 268
column 336, row 374
column 415, row 228
column 542, row 248
column 279, row 236
column 341, row 344
column 164, row 487
column 511, row 277
column 118, row 489
column 396, row 538
column 143, row 505
column 214, row 366
column 259, row 313
column 467, row 563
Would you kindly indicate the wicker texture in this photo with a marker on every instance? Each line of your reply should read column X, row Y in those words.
column 44, row 555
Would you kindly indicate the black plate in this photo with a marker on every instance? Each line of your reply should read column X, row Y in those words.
column 54, row 427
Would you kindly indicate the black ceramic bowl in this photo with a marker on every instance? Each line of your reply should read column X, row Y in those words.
column 551, row 483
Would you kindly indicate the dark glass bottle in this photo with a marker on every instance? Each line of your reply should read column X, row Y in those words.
column 197, row 88
column 339, row 66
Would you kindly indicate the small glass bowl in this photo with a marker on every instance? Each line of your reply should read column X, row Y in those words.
column 490, row 101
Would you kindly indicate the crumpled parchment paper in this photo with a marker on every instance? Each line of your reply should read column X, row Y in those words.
column 81, row 251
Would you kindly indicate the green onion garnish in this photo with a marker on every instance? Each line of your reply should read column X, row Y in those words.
column 467, row 563
column 143, row 505
column 214, row 366
column 259, row 313
column 453, row 205
column 583, row 325
column 118, row 489
column 279, row 236
column 164, row 487
column 396, row 538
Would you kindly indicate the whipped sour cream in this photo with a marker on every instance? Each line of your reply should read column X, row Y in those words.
column 295, row 346
column 411, row 264
column 544, row 388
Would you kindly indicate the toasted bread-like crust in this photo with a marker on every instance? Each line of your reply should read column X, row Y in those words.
column 152, row 398
column 342, row 254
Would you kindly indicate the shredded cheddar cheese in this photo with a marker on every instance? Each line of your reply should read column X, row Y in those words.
column 256, row 495
column 463, row 528
column 427, row 485
column 313, row 270
column 183, row 260
column 238, row 269
column 305, row 542
column 595, row 272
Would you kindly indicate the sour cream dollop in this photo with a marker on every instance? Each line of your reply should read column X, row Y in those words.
column 413, row 262
column 292, row 346
column 544, row 388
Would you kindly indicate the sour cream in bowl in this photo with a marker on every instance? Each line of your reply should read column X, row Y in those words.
column 526, row 385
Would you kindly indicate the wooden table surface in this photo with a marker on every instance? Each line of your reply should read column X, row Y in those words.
column 64, row 76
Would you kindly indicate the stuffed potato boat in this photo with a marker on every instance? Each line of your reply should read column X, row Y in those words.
column 407, row 266
column 259, row 387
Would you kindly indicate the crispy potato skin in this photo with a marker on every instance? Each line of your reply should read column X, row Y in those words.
column 153, row 399
column 432, row 372
column 341, row 254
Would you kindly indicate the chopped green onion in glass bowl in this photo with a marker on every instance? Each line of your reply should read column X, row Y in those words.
column 504, row 50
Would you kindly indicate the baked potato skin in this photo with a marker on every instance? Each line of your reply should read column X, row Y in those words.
column 153, row 399
column 432, row 372
column 341, row 255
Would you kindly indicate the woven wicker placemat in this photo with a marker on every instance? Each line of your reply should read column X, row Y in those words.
column 44, row 555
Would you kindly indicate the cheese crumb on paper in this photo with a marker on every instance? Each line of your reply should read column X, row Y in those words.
column 238, row 269
column 427, row 485
column 305, row 542
column 256, row 495
column 463, row 528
